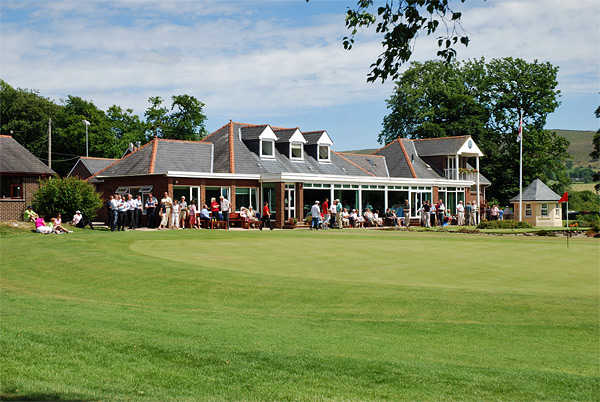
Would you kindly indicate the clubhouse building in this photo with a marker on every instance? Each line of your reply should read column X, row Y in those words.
column 290, row 169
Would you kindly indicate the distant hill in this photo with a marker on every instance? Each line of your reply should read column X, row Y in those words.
column 579, row 148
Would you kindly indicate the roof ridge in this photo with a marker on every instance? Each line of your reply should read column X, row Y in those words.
column 438, row 138
column 351, row 153
column 96, row 157
column 5, row 136
column 408, row 161
column 231, row 149
column 397, row 139
column 353, row 163
column 153, row 156
column 177, row 140
column 119, row 160
column 313, row 132
column 262, row 124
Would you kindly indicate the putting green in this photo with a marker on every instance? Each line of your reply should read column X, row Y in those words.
column 514, row 265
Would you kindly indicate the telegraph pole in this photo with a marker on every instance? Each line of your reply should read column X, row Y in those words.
column 50, row 143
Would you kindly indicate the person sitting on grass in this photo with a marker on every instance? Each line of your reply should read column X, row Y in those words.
column 29, row 215
column 58, row 227
column 42, row 227
column 80, row 221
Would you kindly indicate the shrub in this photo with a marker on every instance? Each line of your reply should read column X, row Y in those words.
column 65, row 196
column 506, row 224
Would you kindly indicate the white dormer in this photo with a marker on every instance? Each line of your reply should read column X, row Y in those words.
column 267, row 143
column 297, row 142
column 324, row 144
column 469, row 149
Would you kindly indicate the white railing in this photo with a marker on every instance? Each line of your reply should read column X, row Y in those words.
column 451, row 174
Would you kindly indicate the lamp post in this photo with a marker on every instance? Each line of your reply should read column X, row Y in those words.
column 87, row 123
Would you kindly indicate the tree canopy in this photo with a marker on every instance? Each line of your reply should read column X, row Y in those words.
column 484, row 99
column 24, row 114
column 401, row 22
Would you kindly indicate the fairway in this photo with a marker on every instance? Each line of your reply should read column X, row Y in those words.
column 352, row 315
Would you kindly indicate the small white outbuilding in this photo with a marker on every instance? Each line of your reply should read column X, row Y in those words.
column 540, row 205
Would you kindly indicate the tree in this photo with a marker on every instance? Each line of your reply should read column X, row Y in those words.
column 595, row 154
column 484, row 99
column 65, row 196
column 186, row 120
column 126, row 128
column 401, row 22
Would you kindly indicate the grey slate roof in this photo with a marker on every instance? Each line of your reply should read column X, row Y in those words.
column 252, row 132
column 374, row 164
column 439, row 146
column 15, row 158
column 284, row 134
column 537, row 191
column 185, row 156
column 171, row 155
column 94, row 165
column 313, row 136
column 422, row 169
column 397, row 164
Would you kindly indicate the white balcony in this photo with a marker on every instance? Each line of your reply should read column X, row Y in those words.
column 451, row 174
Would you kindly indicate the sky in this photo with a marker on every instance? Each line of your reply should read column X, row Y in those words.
column 278, row 62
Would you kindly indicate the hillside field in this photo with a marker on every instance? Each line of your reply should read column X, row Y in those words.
column 349, row 315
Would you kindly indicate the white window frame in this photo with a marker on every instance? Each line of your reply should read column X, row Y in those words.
column 301, row 158
column 328, row 153
column 262, row 155
column 542, row 210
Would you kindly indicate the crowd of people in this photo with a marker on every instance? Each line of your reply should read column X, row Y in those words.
column 125, row 211
column 336, row 216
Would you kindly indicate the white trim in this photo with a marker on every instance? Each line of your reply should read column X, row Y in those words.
column 301, row 158
column 328, row 153
column 267, row 134
column 193, row 175
column 261, row 148
column 464, row 150
column 325, row 139
column 297, row 137
column 73, row 168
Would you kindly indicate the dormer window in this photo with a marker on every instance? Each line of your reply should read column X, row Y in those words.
column 267, row 148
column 296, row 151
column 324, row 153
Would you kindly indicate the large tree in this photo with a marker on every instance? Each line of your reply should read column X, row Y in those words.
column 484, row 100
column 400, row 22
column 184, row 120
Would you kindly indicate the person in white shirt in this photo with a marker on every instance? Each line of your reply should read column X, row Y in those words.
column 167, row 203
column 114, row 212
column 474, row 211
column 183, row 212
column 175, row 215
column 139, row 208
column 130, row 211
column 333, row 213
column 123, row 207
column 460, row 211
column 315, row 212
column 76, row 218
column 225, row 207
column 345, row 218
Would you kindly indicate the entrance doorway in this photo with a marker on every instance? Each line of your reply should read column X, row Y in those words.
column 290, row 201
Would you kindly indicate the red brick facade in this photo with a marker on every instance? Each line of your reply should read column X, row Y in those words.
column 12, row 209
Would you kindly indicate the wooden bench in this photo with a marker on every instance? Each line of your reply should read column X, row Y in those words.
column 235, row 219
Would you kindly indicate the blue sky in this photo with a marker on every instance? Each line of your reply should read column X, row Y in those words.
column 279, row 62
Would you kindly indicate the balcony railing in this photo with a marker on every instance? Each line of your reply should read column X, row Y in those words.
column 451, row 174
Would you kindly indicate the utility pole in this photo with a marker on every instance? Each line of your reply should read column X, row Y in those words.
column 50, row 143
column 86, row 123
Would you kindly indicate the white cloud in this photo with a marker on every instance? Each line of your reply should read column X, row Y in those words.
column 238, row 63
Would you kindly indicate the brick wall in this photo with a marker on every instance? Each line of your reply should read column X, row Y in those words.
column 13, row 209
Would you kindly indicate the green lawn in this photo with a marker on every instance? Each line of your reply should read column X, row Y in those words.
column 298, row 315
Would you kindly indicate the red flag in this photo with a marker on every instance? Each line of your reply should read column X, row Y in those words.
column 564, row 198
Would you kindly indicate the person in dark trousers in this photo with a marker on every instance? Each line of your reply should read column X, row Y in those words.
column 151, row 203
column 123, row 208
column 266, row 217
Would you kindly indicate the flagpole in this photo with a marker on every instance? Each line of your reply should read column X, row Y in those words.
column 520, row 166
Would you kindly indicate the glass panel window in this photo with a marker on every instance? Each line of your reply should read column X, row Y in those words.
column 323, row 152
column 544, row 209
column 266, row 148
column 296, row 151
column 527, row 209
column 11, row 187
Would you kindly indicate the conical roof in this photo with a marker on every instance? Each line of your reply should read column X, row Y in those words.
column 537, row 191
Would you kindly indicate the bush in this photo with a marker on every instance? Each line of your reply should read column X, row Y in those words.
column 589, row 220
column 65, row 196
column 506, row 224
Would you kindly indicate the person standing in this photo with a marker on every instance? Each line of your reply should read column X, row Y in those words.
column 460, row 212
column 441, row 212
column 315, row 212
column 167, row 203
column 338, row 216
column 468, row 220
column 113, row 212
column 131, row 207
column 495, row 212
column 183, row 212
column 150, row 210
column 123, row 207
column 325, row 209
column 474, row 212
column 139, row 209
column 225, row 207
column 192, row 212
column 333, row 214
column 266, row 217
